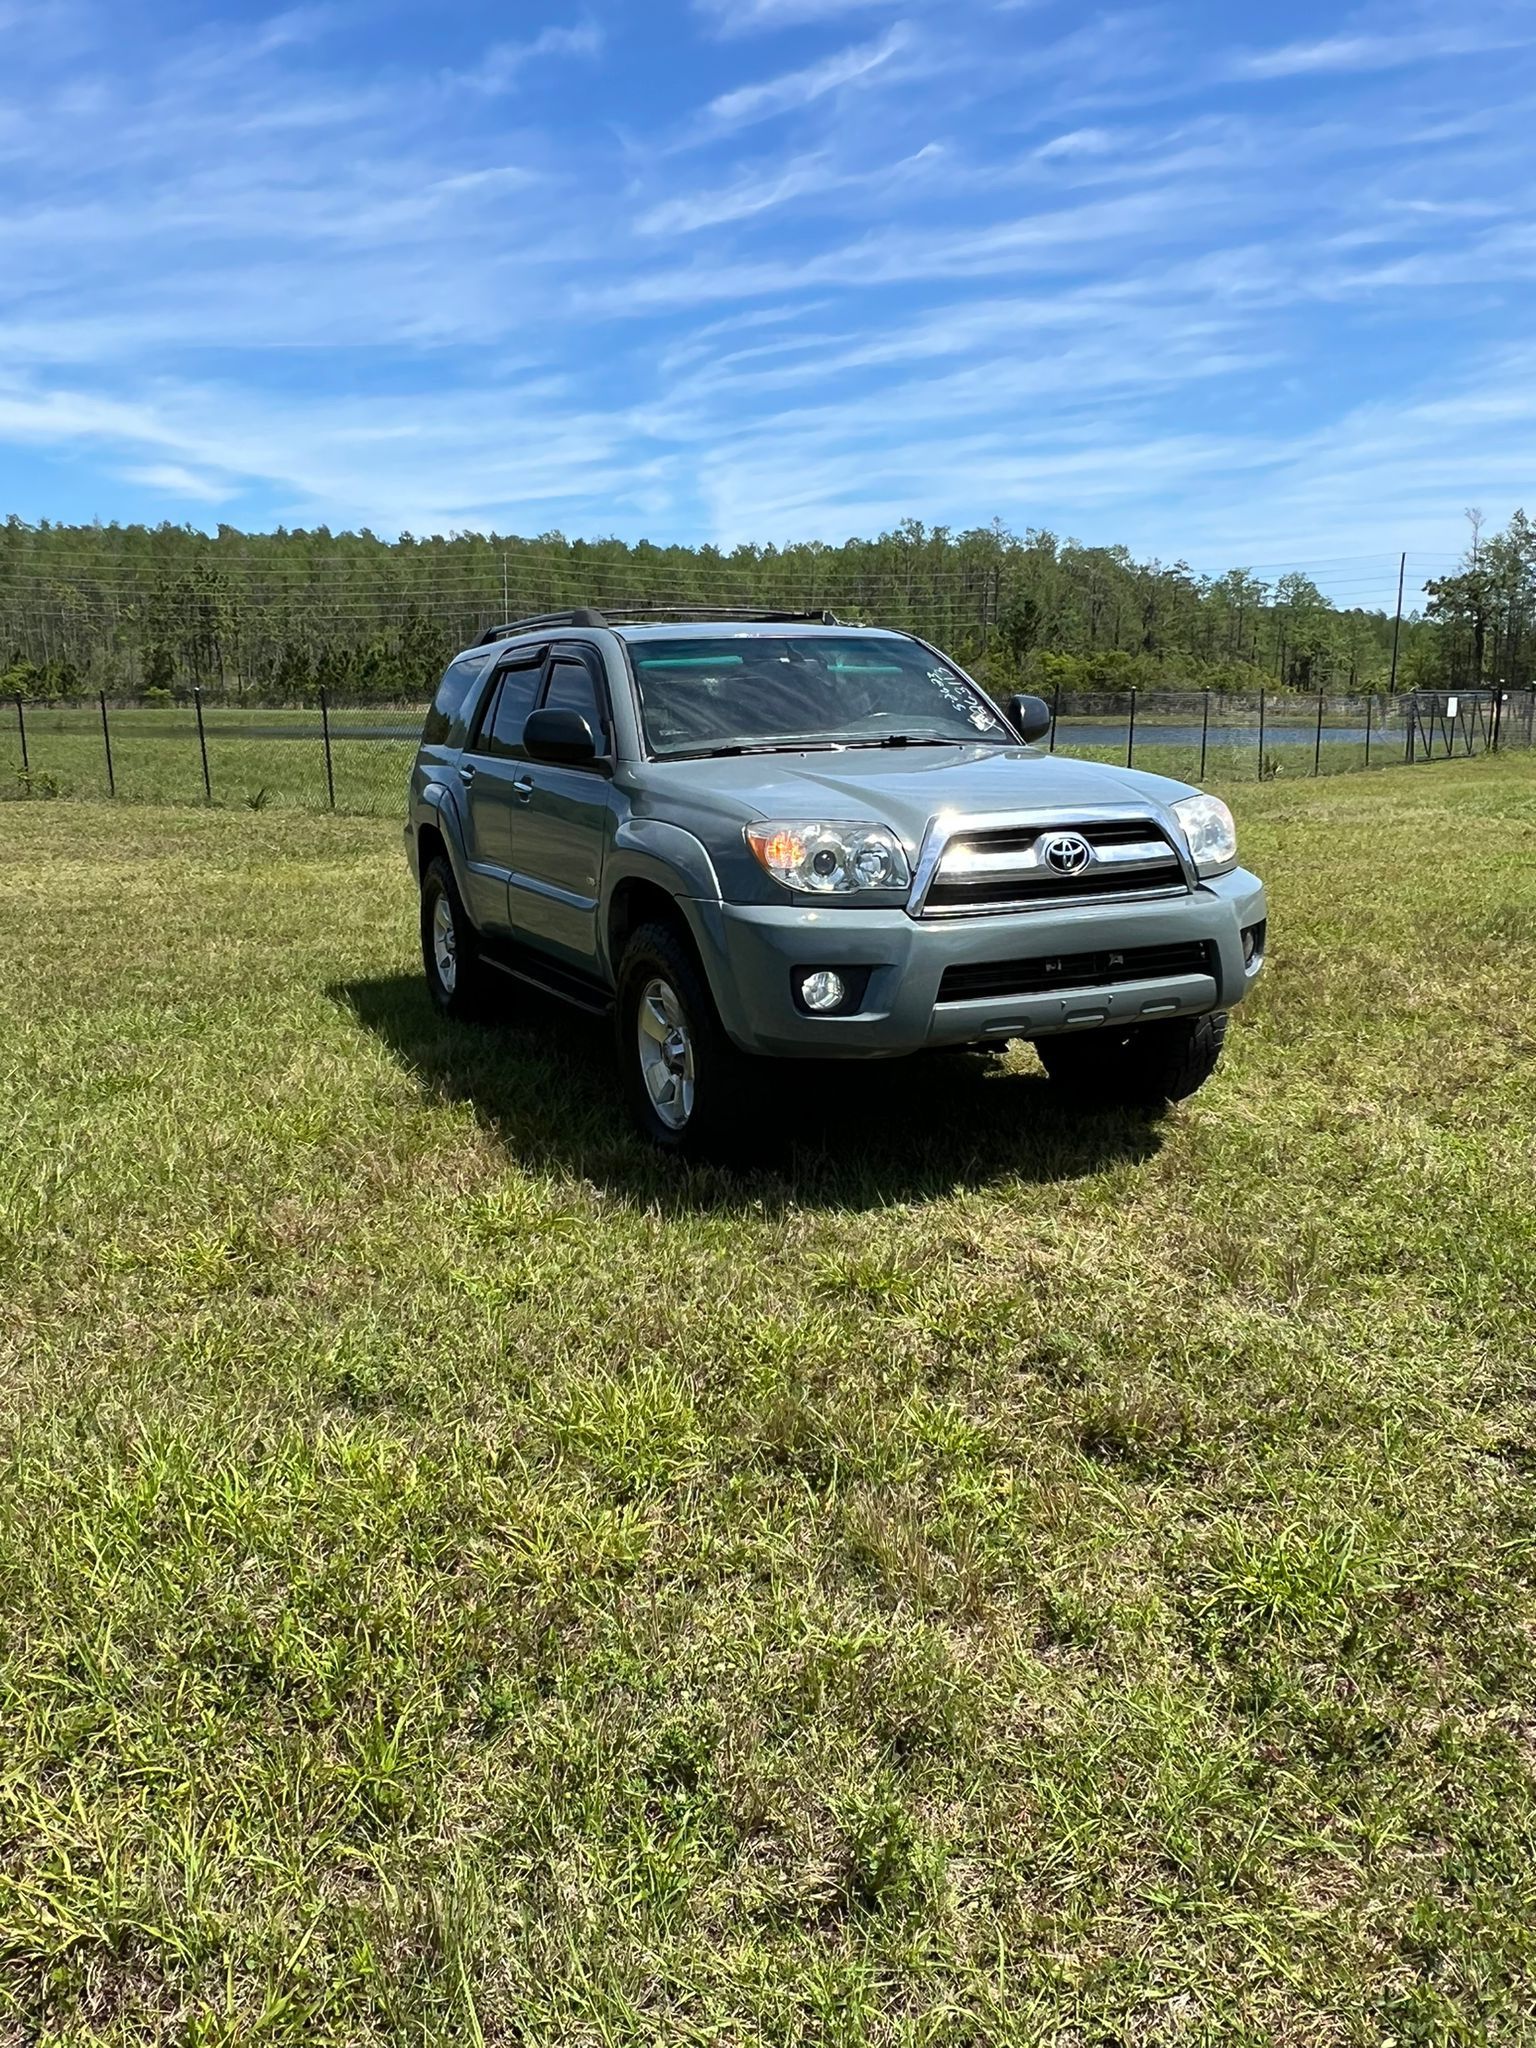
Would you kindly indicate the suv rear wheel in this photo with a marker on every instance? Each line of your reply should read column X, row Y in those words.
column 449, row 944
column 682, row 1075
column 1142, row 1066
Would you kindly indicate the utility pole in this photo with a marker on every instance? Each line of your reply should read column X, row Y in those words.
column 1397, row 623
column 506, row 609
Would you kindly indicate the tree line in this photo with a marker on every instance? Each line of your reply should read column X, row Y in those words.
column 157, row 611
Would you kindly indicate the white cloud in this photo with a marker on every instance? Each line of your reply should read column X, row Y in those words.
column 766, row 187
column 495, row 178
column 216, row 53
column 1331, row 53
column 759, row 191
column 504, row 63
column 1328, row 54
column 1377, row 52
column 1078, row 142
column 179, row 482
column 60, row 415
column 796, row 89
column 1393, row 476
column 1038, row 245
column 421, row 463
column 1074, row 455
column 1110, row 48
column 740, row 17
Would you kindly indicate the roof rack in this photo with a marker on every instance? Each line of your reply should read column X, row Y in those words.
column 632, row 613
column 582, row 616
column 635, row 614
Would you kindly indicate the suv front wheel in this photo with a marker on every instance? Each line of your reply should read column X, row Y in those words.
column 682, row 1075
column 1142, row 1066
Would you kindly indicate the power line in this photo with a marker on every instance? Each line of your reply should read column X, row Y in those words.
column 122, row 586
column 344, row 560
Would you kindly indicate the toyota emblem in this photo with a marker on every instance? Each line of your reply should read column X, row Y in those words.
column 1065, row 853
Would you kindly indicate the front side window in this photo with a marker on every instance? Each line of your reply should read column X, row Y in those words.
column 515, row 694
column 752, row 690
column 573, row 687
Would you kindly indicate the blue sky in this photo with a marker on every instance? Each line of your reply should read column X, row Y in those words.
column 1239, row 284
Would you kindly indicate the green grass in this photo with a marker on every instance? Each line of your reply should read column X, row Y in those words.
column 985, row 1577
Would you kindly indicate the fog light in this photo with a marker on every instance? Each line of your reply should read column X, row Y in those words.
column 1253, row 945
column 823, row 990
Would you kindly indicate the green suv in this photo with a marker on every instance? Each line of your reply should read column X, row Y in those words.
column 778, row 836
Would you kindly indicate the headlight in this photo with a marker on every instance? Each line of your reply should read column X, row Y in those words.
column 831, row 860
column 1211, row 832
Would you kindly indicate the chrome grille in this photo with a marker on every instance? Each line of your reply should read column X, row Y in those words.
column 985, row 868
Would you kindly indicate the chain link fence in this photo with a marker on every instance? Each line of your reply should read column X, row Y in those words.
column 312, row 757
column 356, row 758
column 1205, row 736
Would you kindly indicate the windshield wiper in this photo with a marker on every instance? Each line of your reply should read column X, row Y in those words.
column 756, row 747
column 910, row 739
column 838, row 744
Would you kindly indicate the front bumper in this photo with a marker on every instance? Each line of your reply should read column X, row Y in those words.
column 752, row 952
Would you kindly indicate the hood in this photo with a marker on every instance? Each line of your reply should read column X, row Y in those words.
column 906, row 788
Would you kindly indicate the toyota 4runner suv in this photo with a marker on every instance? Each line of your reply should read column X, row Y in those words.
column 770, row 835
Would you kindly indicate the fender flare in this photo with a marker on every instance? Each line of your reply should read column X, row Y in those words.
column 672, row 859
column 436, row 806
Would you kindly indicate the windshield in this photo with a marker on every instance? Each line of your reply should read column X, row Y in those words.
column 754, row 691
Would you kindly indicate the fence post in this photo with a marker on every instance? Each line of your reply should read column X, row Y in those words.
column 1496, row 721
column 1055, row 714
column 1130, row 737
column 21, row 727
column 1408, row 723
column 1205, row 734
column 1317, row 751
column 202, row 745
column 106, row 740
column 1369, row 700
column 1261, row 735
column 325, row 730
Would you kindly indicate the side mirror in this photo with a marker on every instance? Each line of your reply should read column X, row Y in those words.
column 1029, row 716
column 559, row 736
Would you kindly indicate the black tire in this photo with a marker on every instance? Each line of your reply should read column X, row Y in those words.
column 707, row 1116
column 1142, row 1066
column 463, row 992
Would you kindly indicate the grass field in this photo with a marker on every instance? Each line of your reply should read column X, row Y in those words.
column 985, row 1577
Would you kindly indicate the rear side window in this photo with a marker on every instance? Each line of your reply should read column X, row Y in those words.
column 448, row 720
column 573, row 687
column 503, row 731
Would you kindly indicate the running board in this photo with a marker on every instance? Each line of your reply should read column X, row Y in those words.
column 552, row 980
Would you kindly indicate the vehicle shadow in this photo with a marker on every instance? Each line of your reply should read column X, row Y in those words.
column 851, row 1135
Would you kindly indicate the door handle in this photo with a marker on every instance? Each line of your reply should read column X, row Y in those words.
column 466, row 772
column 522, row 788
